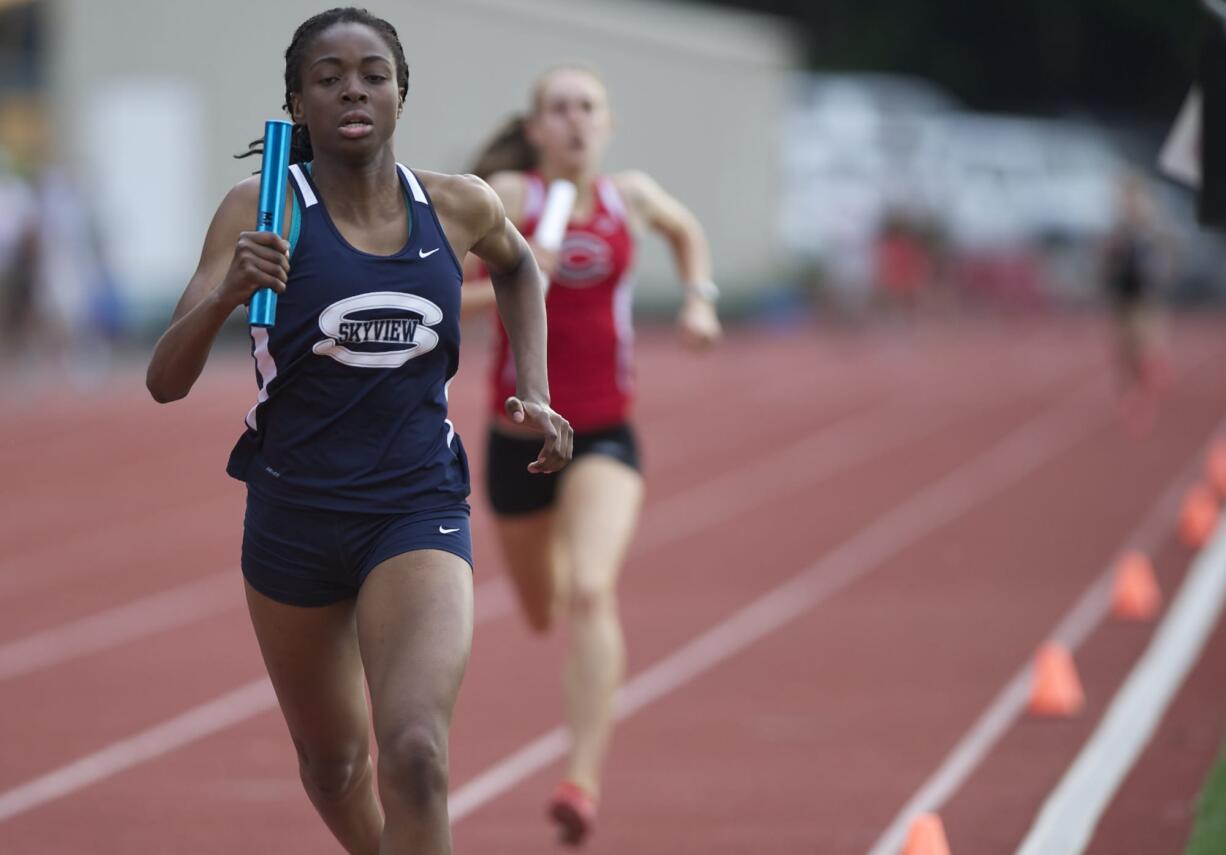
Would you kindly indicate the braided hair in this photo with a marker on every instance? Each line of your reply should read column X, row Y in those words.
column 300, row 141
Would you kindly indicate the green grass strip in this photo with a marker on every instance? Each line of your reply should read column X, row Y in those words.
column 1209, row 833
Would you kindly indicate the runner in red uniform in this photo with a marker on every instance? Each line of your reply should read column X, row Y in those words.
column 590, row 331
column 565, row 537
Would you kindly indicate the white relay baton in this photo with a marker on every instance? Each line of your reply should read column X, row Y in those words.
column 559, row 202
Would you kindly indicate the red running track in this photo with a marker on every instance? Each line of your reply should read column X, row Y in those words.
column 850, row 545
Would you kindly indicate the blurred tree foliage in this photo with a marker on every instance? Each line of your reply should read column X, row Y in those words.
column 1114, row 58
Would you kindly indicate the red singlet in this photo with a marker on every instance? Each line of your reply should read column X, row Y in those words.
column 588, row 310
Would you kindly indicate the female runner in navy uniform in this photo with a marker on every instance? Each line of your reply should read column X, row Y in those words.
column 356, row 548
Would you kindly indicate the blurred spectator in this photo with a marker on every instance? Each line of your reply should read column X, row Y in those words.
column 904, row 264
column 18, row 247
column 75, row 301
column 58, row 307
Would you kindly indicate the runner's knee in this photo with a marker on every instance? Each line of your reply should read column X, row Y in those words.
column 333, row 773
column 413, row 763
column 589, row 598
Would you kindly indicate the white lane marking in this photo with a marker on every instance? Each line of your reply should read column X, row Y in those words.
column 198, row 722
column 166, row 609
column 943, row 501
column 853, row 439
column 841, row 445
column 1072, row 630
column 14, row 581
column 233, row 708
column 55, row 558
column 170, row 609
column 1018, row 453
column 1066, row 822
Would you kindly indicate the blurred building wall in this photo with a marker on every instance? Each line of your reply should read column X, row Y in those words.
column 151, row 98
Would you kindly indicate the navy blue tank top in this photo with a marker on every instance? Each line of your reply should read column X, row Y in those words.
column 352, row 406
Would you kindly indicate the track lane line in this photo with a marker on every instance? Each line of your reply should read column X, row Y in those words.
column 846, row 442
column 173, row 607
column 14, row 582
column 1019, row 452
column 194, row 724
column 1077, row 624
column 1066, row 822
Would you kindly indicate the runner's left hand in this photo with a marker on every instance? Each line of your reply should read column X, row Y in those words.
column 559, row 438
column 698, row 324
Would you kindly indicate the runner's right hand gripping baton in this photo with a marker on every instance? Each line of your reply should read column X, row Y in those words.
column 277, row 133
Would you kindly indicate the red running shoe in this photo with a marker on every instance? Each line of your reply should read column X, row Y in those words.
column 574, row 810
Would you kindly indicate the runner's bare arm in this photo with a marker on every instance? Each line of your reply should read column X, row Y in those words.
column 233, row 264
column 477, row 296
column 651, row 205
column 517, row 285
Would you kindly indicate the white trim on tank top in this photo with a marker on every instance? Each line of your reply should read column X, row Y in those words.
column 447, row 400
column 267, row 368
column 623, row 327
column 304, row 186
column 534, row 197
column 610, row 197
column 419, row 195
column 308, row 195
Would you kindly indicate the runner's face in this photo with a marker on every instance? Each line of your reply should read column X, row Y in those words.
column 349, row 99
column 571, row 125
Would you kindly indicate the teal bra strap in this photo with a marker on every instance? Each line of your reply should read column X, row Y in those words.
column 295, row 225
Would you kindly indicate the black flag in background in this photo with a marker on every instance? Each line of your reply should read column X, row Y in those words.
column 1213, row 124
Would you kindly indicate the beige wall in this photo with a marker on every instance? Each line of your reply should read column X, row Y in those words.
column 698, row 96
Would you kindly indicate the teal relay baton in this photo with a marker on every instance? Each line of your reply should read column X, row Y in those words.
column 273, row 171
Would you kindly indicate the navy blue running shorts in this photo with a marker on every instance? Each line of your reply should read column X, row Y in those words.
column 314, row 557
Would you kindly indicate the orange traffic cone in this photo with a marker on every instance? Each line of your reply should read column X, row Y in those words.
column 926, row 837
column 1136, row 595
column 1056, row 691
column 1198, row 516
column 1217, row 466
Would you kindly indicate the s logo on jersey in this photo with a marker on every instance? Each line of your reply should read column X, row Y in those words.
column 382, row 329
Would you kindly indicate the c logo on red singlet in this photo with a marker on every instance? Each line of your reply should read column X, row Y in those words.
column 372, row 330
column 583, row 260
